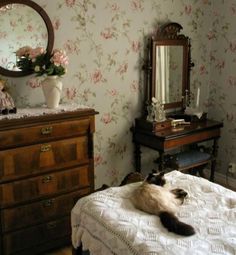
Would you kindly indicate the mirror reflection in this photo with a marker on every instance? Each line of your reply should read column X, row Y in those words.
column 21, row 25
column 169, row 68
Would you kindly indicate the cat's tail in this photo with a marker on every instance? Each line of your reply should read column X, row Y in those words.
column 171, row 222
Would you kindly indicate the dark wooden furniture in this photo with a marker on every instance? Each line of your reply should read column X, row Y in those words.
column 46, row 165
column 171, row 138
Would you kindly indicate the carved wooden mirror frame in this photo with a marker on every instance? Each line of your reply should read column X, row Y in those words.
column 168, row 35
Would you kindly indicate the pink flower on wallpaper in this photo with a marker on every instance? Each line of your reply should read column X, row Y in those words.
column 107, row 33
column 13, row 23
column 122, row 68
column 115, row 7
column 232, row 46
column 134, row 86
column 136, row 5
column 98, row 160
column 202, row 69
column 230, row 117
column 71, row 93
column 211, row 35
column 96, row 76
column 70, row 3
column 29, row 28
column 113, row 92
column 232, row 80
column 220, row 64
column 233, row 9
column 106, row 118
column 136, row 46
column 71, row 47
column 33, row 83
column 56, row 24
column 188, row 9
column 3, row 35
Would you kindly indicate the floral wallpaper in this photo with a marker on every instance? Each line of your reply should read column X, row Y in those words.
column 105, row 41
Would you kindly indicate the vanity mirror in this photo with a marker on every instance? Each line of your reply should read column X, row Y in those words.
column 168, row 67
column 23, row 23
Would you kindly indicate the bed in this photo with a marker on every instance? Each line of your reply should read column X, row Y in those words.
column 106, row 222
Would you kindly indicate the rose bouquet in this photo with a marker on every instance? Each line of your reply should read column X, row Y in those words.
column 38, row 61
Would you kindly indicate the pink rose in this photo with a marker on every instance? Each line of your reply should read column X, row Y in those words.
column 70, row 3
column 135, row 46
column 23, row 51
column 136, row 5
column 122, row 68
column 34, row 53
column 59, row 58
column 33, row 83
column 96, row 77
column 113, row 92
column 232, row 46
column 98, row 160
column 115, row 7
column 134, row 86
column 71, row 93
column 188, row 9
column 202, row 70
column 106, row 118
column 107, row 33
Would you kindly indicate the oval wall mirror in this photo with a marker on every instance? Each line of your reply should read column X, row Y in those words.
column 23, row 23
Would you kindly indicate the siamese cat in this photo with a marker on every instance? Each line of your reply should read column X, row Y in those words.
column 153, row 198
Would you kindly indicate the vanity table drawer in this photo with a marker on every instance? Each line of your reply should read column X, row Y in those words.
column 19, row 162
column 38, row 212
column 41, row 133
column 45, row 185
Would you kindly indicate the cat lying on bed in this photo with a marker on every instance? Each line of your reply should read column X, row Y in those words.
column 153, row 198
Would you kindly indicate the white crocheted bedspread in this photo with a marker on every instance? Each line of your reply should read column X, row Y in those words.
column 107, row 223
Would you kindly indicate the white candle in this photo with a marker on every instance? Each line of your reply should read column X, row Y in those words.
column 198, row 97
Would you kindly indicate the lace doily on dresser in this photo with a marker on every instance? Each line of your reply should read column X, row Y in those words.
column 43, row 110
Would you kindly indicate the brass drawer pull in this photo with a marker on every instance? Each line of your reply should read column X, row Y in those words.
column 46, row 130
column 47, row 179
column 46, row 147
column 51, row 225
column 48, row 203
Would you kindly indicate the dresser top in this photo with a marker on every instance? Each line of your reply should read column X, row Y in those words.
column 35, row 114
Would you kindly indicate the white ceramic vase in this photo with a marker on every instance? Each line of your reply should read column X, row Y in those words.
column 52, row 87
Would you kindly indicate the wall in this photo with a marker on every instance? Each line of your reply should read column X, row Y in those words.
column 105, row 42
column 222, row 63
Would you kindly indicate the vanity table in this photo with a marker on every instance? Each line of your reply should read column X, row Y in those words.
column 171, row 138
column 167, row 71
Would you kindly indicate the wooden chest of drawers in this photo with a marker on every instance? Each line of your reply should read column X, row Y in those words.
column 46, row 165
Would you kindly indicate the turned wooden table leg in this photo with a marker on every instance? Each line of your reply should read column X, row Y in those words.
column 214, row 155
column 137, row 153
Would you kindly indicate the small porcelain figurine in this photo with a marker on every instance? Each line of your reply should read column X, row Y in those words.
column 6, row 102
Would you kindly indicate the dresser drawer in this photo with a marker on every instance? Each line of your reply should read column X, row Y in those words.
column 38, row 235
column 38, row 212
column 35, row 159
column 41, row 133
column 45, row 185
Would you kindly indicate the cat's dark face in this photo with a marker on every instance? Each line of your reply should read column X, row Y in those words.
column 156, row 178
